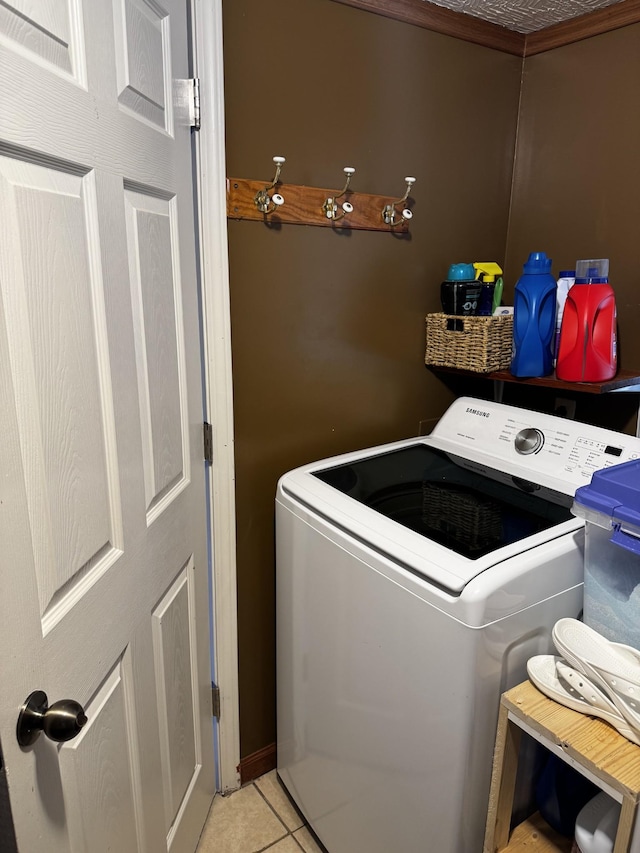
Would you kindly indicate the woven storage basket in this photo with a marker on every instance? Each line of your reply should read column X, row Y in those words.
column 482, row 344
column 456, row 516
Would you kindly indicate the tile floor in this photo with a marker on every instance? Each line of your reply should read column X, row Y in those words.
column 259, row 817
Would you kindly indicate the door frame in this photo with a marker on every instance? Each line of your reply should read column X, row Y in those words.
column 210, row 179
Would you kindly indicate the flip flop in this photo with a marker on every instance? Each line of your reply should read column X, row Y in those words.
column 613, row 667
column 553, row 677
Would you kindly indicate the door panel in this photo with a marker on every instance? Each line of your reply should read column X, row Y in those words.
column 154, row 266
column 174, row 660
column 59, row 357
column 144, row 72
column 104, row 593
column 96, row 768
column 50, row 31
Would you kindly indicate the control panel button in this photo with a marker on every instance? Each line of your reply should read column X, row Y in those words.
column 528, row 441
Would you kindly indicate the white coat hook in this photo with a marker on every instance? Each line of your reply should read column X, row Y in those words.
column 330, row 208
column 389, row 212
column 264, row 202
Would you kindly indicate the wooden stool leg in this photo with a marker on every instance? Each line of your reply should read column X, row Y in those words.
column 625, row 826
column 503, row 783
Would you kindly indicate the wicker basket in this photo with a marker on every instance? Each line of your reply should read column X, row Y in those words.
column 482, row 344
column 474, row 521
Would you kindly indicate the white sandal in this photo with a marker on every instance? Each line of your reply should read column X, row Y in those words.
column 612, row 667
column 553, row 677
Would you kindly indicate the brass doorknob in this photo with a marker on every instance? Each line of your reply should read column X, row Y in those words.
column 61, row 721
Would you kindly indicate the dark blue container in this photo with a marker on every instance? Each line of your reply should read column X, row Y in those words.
column 460, row 293
column 534, row 318
column 561, row 793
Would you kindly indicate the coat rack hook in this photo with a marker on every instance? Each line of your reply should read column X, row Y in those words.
column 264, row 202
column 330, row 207
column 389, row 212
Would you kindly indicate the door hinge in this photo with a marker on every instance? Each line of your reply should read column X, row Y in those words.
column 194, row 106
column 208, row 442
column 215, row 701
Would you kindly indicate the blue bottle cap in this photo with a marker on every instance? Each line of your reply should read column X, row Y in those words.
column 538, row 262
column 461, row 272
column 567, row 274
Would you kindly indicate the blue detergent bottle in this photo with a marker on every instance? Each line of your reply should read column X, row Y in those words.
column 534, row 318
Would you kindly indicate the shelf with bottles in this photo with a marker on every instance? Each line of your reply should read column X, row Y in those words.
column 624, row 380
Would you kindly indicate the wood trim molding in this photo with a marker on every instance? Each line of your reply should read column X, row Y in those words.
column 216, row 330
column 421, row 13
column 258, row 763
column 445, row 21
column 585, row 26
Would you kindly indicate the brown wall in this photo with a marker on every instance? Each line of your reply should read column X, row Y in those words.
column 328, row 330
column 577, row 181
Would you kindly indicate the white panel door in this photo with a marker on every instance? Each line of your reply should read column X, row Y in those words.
column 104, row 589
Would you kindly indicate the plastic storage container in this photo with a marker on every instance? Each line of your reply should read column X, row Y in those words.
column 566, row 280
column 534, row 319
column 460, row 293
column 610, row 506
column 587, row 350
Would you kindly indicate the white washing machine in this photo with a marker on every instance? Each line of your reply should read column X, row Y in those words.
column 414, row 580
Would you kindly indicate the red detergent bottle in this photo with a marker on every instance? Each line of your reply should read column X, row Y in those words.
column 587, row 351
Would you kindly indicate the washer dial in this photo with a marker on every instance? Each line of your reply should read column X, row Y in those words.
column 528, row 441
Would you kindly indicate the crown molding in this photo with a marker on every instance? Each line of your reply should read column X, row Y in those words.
column 444, row 21
column 421, row 13
column 585, row 26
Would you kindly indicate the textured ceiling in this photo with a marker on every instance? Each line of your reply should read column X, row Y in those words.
column 524, row 16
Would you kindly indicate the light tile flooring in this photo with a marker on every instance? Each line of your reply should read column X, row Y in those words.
column 258, row 817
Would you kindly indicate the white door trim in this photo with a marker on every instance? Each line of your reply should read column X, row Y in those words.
column 210, row 154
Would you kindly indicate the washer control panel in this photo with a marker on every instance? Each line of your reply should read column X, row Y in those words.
column 562, row 450
column 566, row 448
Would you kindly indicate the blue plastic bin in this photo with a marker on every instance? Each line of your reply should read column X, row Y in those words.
column 610, row 506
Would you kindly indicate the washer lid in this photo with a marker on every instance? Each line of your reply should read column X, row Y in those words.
column 443, row 517
column 528, row 464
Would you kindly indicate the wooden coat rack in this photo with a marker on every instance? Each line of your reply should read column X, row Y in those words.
column 299, row 205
